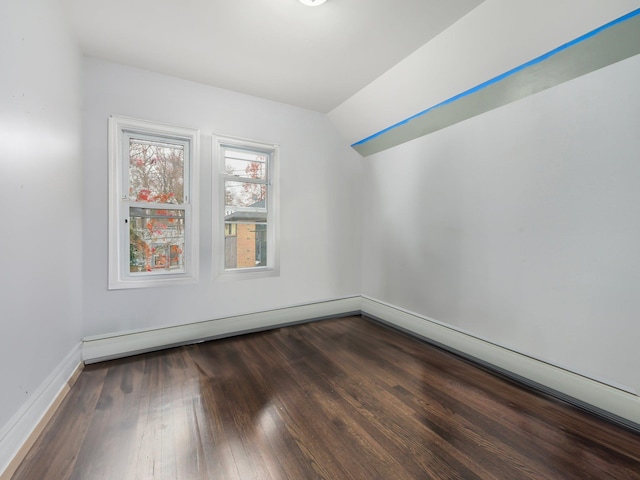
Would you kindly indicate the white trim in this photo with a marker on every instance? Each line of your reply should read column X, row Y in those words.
column 617, row 404
column 16, row 433
column 100, row 348
column 586, row 391
column 603, row 399
column 118, row 278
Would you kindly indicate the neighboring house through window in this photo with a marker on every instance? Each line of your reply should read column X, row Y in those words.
column 153, row 233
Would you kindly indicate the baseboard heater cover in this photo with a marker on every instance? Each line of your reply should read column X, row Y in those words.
column 605, row 401
column 617, row 406
column 109, row 347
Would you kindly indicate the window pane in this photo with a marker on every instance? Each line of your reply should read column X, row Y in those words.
column 245, row 164
column 156, row 240
column 156, row 172
column 245, row 245
column 244, row 194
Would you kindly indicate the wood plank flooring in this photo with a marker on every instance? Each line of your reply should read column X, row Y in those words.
column 336, row 399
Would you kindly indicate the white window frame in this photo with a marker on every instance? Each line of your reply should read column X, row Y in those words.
column 120, row 130
column 271, row 151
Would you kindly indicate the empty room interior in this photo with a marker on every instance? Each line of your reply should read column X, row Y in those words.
column 320, row 239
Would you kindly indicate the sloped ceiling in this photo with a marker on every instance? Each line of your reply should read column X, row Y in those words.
column 312, row 57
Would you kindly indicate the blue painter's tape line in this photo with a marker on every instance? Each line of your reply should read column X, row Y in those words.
column 519, row 68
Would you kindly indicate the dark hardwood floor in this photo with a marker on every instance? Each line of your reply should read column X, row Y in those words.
column 336, row 399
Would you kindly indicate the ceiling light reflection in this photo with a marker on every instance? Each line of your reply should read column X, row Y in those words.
column 312, row 3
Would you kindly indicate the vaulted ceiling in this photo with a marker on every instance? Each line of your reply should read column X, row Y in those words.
column 312, row 57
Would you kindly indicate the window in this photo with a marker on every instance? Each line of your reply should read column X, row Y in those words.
column 247, row 207
column 152, row 204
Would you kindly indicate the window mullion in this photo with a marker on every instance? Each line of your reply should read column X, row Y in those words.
column 239, row 179
column 158, row 206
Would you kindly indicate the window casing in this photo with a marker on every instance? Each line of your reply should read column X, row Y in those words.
column 153, row 238
column 247, row 229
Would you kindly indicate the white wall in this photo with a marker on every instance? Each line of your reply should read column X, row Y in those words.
column 320, row 179
column 40, row 191
column 521, row 226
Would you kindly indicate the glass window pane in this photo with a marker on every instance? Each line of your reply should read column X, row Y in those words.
column 245, row 164
column 245, row 245
column 244, row 194
column 156, row 172
column 156, row 240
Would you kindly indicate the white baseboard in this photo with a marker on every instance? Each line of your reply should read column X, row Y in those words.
column 608, row 401
column 19, row 433
column 618, row 405
column 101, row 348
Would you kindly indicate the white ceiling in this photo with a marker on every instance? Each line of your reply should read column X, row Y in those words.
column 312, row 57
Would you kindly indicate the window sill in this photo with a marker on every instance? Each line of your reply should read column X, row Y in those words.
column 152, row 281
column 247, row 273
